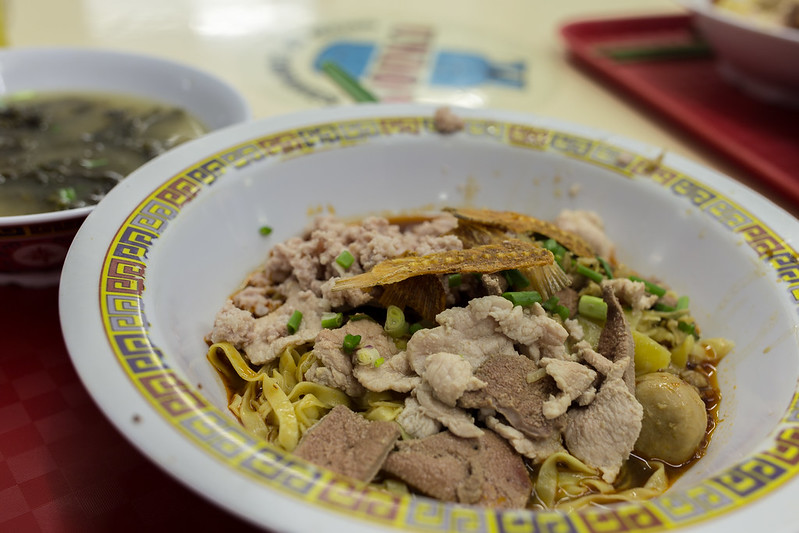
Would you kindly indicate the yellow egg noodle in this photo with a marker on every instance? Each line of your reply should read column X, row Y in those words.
column 282, row 407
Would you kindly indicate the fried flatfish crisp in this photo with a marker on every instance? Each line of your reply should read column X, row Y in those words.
column 423, row 294
column 519, row 224
column 486, row 259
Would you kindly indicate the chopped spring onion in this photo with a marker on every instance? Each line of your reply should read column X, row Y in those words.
column 687, row 327
column 93, row 163
column 396, row 325
column 367, row 355
column 294, row 322
column 351, row 342
column 21, row 96
column 265, row 230
column 454, row 280
column 681, row 305
column 516, row 279
column 590, row 274
column 592, row 307
column 553, row 306
column 379, row 361
column 556, row 248
column 65, row 196
column 345, row 259
column 606, row 267
column 550, row 304
column 523, row 298
column 535, row 375
column 650, row 287
column 415, row 327
column 562, row 311
column 331, row 320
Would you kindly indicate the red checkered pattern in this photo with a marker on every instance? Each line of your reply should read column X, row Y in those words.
column 63, row 466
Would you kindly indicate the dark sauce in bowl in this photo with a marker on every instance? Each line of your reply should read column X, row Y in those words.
column 67, row 150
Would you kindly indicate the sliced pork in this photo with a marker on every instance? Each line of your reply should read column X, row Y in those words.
column 311, row 259
column 535, row 449
column 575, row 381
column 450, row 375
column 394, row 374
column 604, row 433
column 414, row 422
column 466, row 331
column 455, row 419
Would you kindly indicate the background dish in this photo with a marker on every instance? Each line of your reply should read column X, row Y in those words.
column 760, row 59
column 32, row 247
column 155, row 260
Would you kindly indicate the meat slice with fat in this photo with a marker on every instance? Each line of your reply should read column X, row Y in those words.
column 456, row 419
column 616, row 340
column 449, row 375
column 604, row 433
column 574, row 380
column 414, row 422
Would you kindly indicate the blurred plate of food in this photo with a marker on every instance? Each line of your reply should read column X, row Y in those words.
column 756, row 43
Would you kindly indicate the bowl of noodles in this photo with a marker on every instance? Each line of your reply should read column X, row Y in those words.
column 73, row 124
column 403, row 318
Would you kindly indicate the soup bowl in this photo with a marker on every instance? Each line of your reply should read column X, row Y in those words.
column 33, row 246
column 156, row 260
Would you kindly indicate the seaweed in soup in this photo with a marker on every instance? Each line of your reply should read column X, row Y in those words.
column 68, row 150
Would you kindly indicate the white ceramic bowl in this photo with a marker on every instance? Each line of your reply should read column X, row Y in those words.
column 761, row 59
column 157, row 258
column 33, row 247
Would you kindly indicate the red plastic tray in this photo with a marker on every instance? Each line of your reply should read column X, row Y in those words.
column 63, row 466
column 760, row 137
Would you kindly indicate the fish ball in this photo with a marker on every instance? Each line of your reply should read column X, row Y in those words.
column 675, row 418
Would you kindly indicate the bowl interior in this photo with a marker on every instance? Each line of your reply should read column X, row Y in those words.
column 656, row 232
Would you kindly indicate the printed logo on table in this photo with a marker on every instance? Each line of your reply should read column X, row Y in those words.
column 402, row 62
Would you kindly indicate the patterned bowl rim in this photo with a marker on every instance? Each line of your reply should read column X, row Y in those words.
column 102, row 318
